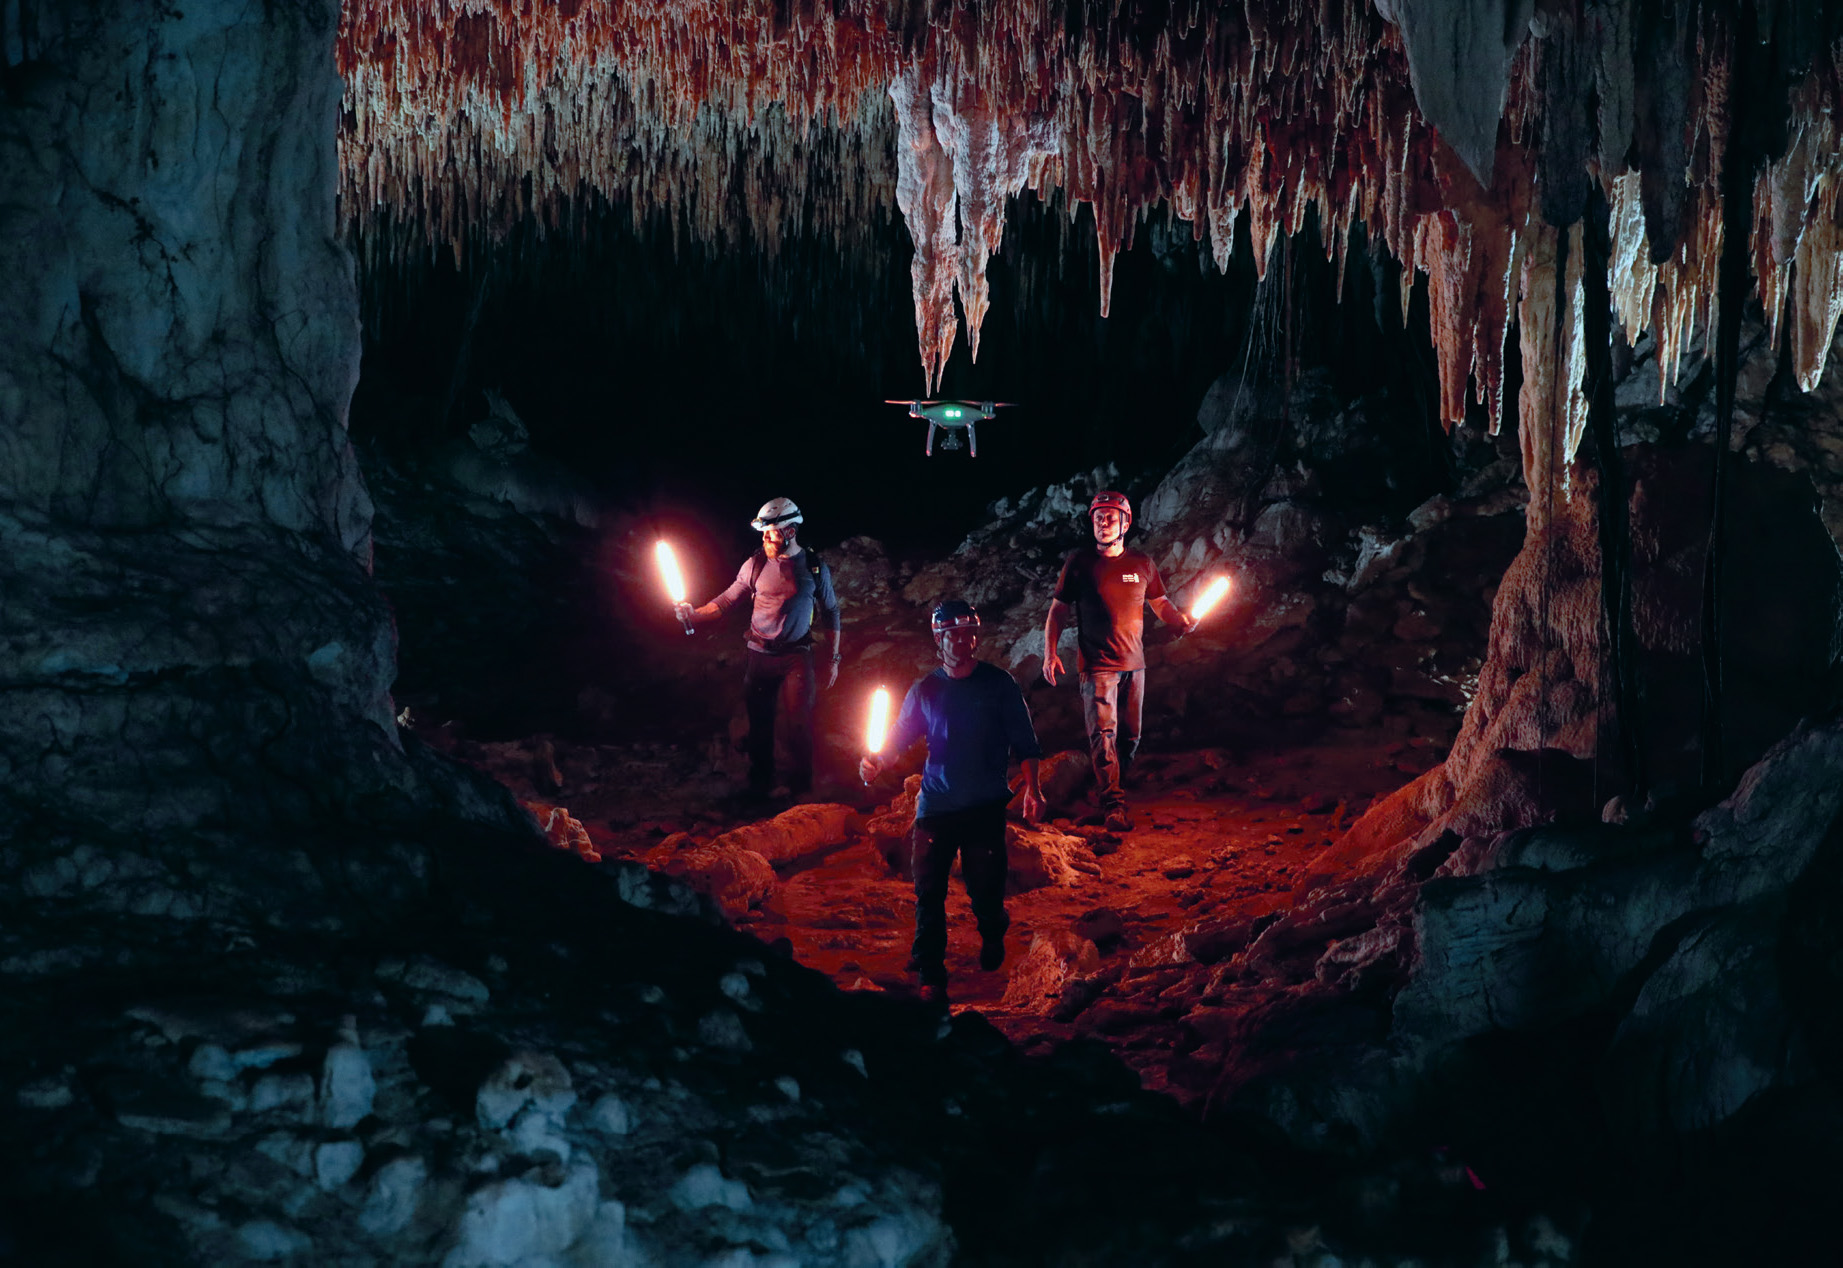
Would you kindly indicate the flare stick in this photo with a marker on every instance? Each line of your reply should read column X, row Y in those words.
column 1211, row 597
column 669, row 573
column 879, row 721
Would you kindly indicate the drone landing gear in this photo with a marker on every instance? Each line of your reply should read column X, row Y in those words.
column 928, row 450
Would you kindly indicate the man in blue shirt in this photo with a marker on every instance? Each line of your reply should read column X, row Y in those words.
column 973, row 716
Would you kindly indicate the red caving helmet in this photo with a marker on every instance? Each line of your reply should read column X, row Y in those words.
column 1107, row 497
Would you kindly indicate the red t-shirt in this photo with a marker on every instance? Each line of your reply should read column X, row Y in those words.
column 1109, row 594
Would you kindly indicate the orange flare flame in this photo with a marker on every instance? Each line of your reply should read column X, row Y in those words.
column 1211, row 597
column 878, row 729
column 668, row 571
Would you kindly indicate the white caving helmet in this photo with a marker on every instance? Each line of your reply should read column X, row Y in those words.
column 775, row 511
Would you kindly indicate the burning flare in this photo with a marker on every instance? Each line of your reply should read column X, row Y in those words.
column 878, row 729
column 1213, row 595
column 668, row 573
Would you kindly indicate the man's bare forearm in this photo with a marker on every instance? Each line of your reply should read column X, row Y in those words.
column 1168, row 612
column 1030, row 767
column 1052, row 626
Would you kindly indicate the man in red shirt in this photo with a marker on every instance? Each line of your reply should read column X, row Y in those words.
column 1107, row 587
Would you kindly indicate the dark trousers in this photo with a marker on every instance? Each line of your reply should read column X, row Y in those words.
column 1112, row 701
column 785, row 678
column 977, row 835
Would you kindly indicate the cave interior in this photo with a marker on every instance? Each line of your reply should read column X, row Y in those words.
column 375, row 883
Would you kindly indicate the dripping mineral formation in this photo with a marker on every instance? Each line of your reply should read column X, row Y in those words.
column 1466, row 139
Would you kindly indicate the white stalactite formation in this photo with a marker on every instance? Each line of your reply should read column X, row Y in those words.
column 759, row 119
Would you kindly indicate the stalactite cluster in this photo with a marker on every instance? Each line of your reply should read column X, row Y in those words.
column 758, row 119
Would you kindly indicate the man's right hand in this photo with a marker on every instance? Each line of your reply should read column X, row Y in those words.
column 1052, row 667
column 869, row 768
column 1033, row 804
column 683, row 612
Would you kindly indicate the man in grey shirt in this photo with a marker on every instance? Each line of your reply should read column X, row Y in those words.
column 786, row 583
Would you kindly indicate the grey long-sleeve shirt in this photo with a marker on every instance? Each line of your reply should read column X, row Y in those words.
column 786, row 592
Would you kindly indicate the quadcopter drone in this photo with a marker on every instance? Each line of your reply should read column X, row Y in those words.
column 953, row 417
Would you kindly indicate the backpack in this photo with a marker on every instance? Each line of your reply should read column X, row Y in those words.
column 759, row 560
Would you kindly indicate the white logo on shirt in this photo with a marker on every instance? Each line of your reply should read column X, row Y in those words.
column 1129, row 576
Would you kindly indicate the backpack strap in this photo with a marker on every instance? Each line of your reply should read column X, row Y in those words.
column 759, row 560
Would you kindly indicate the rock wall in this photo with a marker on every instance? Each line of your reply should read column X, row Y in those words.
column 190, row 633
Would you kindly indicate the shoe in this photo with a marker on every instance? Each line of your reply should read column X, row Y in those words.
column 992, row 953
column 1118, row 820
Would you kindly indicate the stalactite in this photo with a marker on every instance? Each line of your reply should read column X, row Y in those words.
column 925, row 192
column 756, row 121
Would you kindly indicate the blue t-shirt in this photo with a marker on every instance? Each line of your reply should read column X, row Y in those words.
column 971, row 724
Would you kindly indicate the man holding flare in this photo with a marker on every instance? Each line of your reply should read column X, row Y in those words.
column 973, row 717
column 1106, row 587
column 790, row 591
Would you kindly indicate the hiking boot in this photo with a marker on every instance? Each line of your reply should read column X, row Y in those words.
column 1118, row 820
column 991, row 953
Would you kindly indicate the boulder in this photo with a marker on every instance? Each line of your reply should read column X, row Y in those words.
column 1102, row 926
column 1062, row 777
column 1053, row 959
column 562, row 829
column 889, row 828
column 1209, row 941
column 794, row 833
column 1043, row 856
column 734, row 879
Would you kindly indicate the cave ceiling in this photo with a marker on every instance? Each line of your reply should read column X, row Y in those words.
column 1475, row 139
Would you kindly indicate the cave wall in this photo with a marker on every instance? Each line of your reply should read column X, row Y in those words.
column 190, row 632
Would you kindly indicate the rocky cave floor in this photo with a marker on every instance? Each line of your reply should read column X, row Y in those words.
column 1113, row 941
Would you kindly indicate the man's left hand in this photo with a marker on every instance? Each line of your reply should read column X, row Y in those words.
column 829, row 679
column 1033, row 804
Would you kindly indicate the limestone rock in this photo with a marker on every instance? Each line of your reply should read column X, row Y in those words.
column 519, row 1220
column 794, row 833
column 891, row 827
column 347, row 1086
column 1043, row 856
column 1062, row 777
column 1051, row 960
column 735, row 879
column 563, row 830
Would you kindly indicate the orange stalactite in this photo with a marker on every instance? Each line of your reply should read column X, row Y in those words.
column 750, row 121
